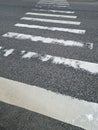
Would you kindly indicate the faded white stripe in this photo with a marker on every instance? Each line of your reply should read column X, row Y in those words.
column 51, row 15
column 47, row 40
column 8, row 52
column 51, row 21
column 76, row 31
column 55, row 3
column 77, row 64
column 64, row 108
column 56, row 11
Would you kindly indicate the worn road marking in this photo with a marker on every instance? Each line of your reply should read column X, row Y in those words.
column 76, row 64
column 64, row 108
column 8, row 52
column 61, row 42
column 51, row 15
column 76, row 31
column 51, row 20
column 55, row 11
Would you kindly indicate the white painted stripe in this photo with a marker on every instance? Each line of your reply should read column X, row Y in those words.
column 51, row 15
column 51, row 21
column 56, row 3
column 55, row 11
column 8, row 52
column 48, row 40
column 77, row 64
column 63, row 108
column 53, row 5
column 76, row 31
column 61, row 6
column 53, row 2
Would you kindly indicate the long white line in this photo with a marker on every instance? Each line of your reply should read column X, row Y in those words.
column 48, row 40
column 76, row 31
column 63, row 108
column 50, row 15
column 76, row 64
column 56, row 3
column 56, row 11
column 53, row 5
column 51, row 21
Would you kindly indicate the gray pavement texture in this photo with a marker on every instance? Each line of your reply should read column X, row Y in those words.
column 65, row 80
column 14, row 118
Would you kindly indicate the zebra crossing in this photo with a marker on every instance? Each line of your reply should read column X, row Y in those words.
column 47, row 17
column 77, row 64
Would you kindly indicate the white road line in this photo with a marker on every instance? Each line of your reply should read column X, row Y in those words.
column 48, row 40
column 51, row 21
column 55, row 11
column 76, row 64
column 8, row 52
column 51, row 15
column 56, row 3
column 63, row 108
column 76, row 31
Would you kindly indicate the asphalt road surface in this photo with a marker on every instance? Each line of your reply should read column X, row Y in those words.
column 53, row 45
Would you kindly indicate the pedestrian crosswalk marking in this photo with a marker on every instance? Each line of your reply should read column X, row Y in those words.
column 51, row 5
column 57, row 3
column 51, row 15
column 47, row 40
column 55, row 11
column 76, row 64
column 51, row 21
column 69, row 30
column 60, row 107
column 54, row 1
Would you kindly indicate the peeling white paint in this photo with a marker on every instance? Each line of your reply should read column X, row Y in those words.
column 8, row 52
column 61, row 42
column 29, row 55
column 76, row 64
column 51, row 20
column 76, row 31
